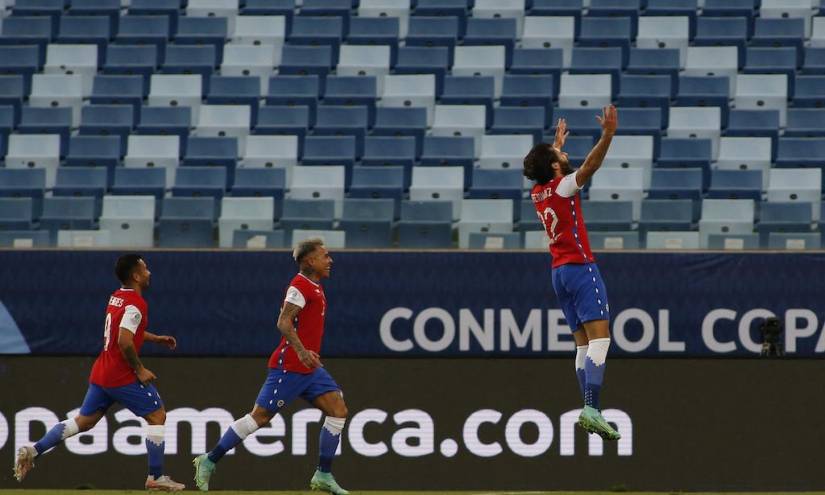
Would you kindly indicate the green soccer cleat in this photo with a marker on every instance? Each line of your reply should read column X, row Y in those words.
column 203, row 471
column 593, row 422
column 325, row 482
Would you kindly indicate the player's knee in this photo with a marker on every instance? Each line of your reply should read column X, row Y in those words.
column 85, row 423
column 340, row 410
column 157, row 418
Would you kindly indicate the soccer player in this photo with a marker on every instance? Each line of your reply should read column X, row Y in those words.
column 576, row 279
column 295, row 370
column 119, row 376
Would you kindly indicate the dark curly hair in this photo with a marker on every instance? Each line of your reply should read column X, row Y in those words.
column 538, row 163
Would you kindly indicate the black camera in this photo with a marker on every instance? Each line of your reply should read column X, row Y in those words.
column 771, row 330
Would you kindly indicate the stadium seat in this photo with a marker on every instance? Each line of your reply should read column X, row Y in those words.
column 106, row 120
column 140, row 182
column 86, row 30
column 814, row 61
column 279, row 152
column 800, row 152
column 489, row 31
column 243, row 214
column 330, row 150
column 631, row 152
column 498, row 9
column 260, row 30
column 580, row 121
column 118, row 90
column 431, row 61
column 730, row 8
column 690, row 153
column 809, row 91
column 353, row 91
column 442, row 151
column 249, row 61
column 607, row 31
column 666, row 215
column 802, row 185
column 705, row 91
column 528, row 91
column 619, row 184
column 177, row 90
column 697, row 122
column 538, row 61
column 678, row 8
column 321, row 182
column 528, row 219
column 762, row 91
column 518, row 120
column 261, row 183
column 150, row 30
column 167, row 8
column 225, row 121
column 73, row 59
column 745, row 153
column 723, row 216
column 505, row 151
column 753, row 123
column 381, row 31
column 24, row 183
column 305, row 60
column 676, row 184
column 646, row 91
column 438, row 184
column 608, row 215
column 318, row 30
column 781, row 60
column 58, row 90
column 410, row 91
column 220, row 152
column 339, row 120
column 130, row 220
column 213, row 8
column 460, row 121
column 735, row 184
column 203, row 31
column 577, row 147
column 778, row 32
column 733, row 241
column 333, row 239
column 56, row 120
column 94, row 151
column 33, row 32
column 16, row 214
column 67, row 214
column 190, row 60
column 652, row 61
column 198, row 182
column 484, row 215
column 259, row 239
column 12, row 90
column 30, row 151
column 794, row 241
column 783, row 217
column 380, row 183
column 713, row 61
column 187, row 223
column 665, row 32
column 612, row 240
column 387, row 8
column 672, row 240
column 431, row 31
column 469, row 90
column 365, row 61
column 23, row 60
column 84, row 239
column 481, row 60
column 307, row 214
column 585, row 90
column 591, row 60
column 644, row 122
column 368, row 222
column 538, row 240
column 723, row 31
column 550, row 32
column 161, row 152
column 233, row 91
column 284, row 120
column 497, row 184
column 483, row 240
column 818, row 31
column 805, row 122
column 82, row 182
column 388, row 151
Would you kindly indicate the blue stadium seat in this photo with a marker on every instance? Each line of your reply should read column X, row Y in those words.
column 521, row 120
column 557, row 8
column 86, row 30
column 753, row 123
column 305, row 60
column 390, row 150
column 498, row 31
column 108, row 8
column 166, row 121
column 203, row 31
column 497, row 184
column 119, row 90
column 800, row 152
column 643, row 122
column 782, row 60
column 24, row 238
column 425, row 60
column 736, row 184
column 250, row 239
column 329, row 150
column 580, row 121
column 145, row 30
column 646, row 92
column 95, row 151
column 168, row 8
column 805, row 122
column 391, row 121
column 487, row 240
column 676, row 184
column 40, row 8
column 108, row 120
column 469, row 90
column 686, row 153
column 140, row 182
column 590, row 60
column 814, row 60
column 653, row 61
column 617, row 8
column 261, row 183
column 528, row 91
column 528, row 219
column 131, row 60
column 332, row 8
column 12, row 92
column 284, row 8
column 666, row 214
column 679, row 8
column 311, row 30
column 783, row 217
column 308, row 214
column 449, row 151
column 68, row 214
column 16, row 214
column 608, row 215
column 433, row 31
column 723, row 31
column 220, row 152
column 731, row 8
column 35, row 120
column 607, row 31
column 343, row 121
column 235, row 90
column 577, row 147
column 779, row 32
column 705, row 91
column 20, row 60
column 200, row 182
column 295, row 90
column 445, row 8
column 538, row 61
column 368, row 222
column 24, row 183
column 28, row 32
column 809, row 91
column 187, row 223
column 82, row 182
column 384, row 182
column 353, row 90
column 190, row 59
column 283, row 120
column 382, row 31
column 425, row 224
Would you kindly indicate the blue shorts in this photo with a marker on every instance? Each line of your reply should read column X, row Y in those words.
column 140, row 399
column 282, row 387
column 581, row 294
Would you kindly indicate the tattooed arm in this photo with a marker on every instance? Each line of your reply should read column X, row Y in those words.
column 286, row 325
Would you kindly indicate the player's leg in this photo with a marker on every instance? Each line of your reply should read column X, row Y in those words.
column 93, row 408
column 598, row 334
column 568, row 307
column 326, row 395
column 580, row 337
column 239, row 430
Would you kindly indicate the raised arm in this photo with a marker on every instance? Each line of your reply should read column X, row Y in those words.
column 286, row 326
column 609, row 120
column 561, row 134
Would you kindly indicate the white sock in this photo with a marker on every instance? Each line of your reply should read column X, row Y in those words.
column 70, row 429
column 155, row 433
column 245, row 426
column 334, row 425
column 597, row 350
column 581, row 354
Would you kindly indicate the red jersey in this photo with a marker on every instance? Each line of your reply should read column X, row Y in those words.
column 558, row 205
column 127, row 310
column 308, row 295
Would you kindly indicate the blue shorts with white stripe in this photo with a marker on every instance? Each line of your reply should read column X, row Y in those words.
column 581, row 293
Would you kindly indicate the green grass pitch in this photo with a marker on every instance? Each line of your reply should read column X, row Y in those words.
column 356, row 492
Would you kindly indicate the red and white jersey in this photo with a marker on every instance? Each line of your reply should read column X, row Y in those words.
column 127, row 310
column 309, row 296
column 558, row 205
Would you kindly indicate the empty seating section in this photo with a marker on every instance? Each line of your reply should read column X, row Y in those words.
column 398, row 123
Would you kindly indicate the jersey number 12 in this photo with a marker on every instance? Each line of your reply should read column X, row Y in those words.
column 546, row 217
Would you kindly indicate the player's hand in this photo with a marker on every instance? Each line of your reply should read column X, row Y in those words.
column 168, row 341
column 609, row 120
column 561, row 134
column 145, row 376
column 310, row 359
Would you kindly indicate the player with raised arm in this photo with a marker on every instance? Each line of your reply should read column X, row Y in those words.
column 119, row 376
column 295, row 370
column 576, row 278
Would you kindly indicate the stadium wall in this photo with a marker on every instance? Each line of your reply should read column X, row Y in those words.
column 441, row 424
column 424, row 304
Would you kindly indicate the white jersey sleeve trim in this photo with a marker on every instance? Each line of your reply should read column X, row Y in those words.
column 568, row 186
column 294, row 296
column 131, row 319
